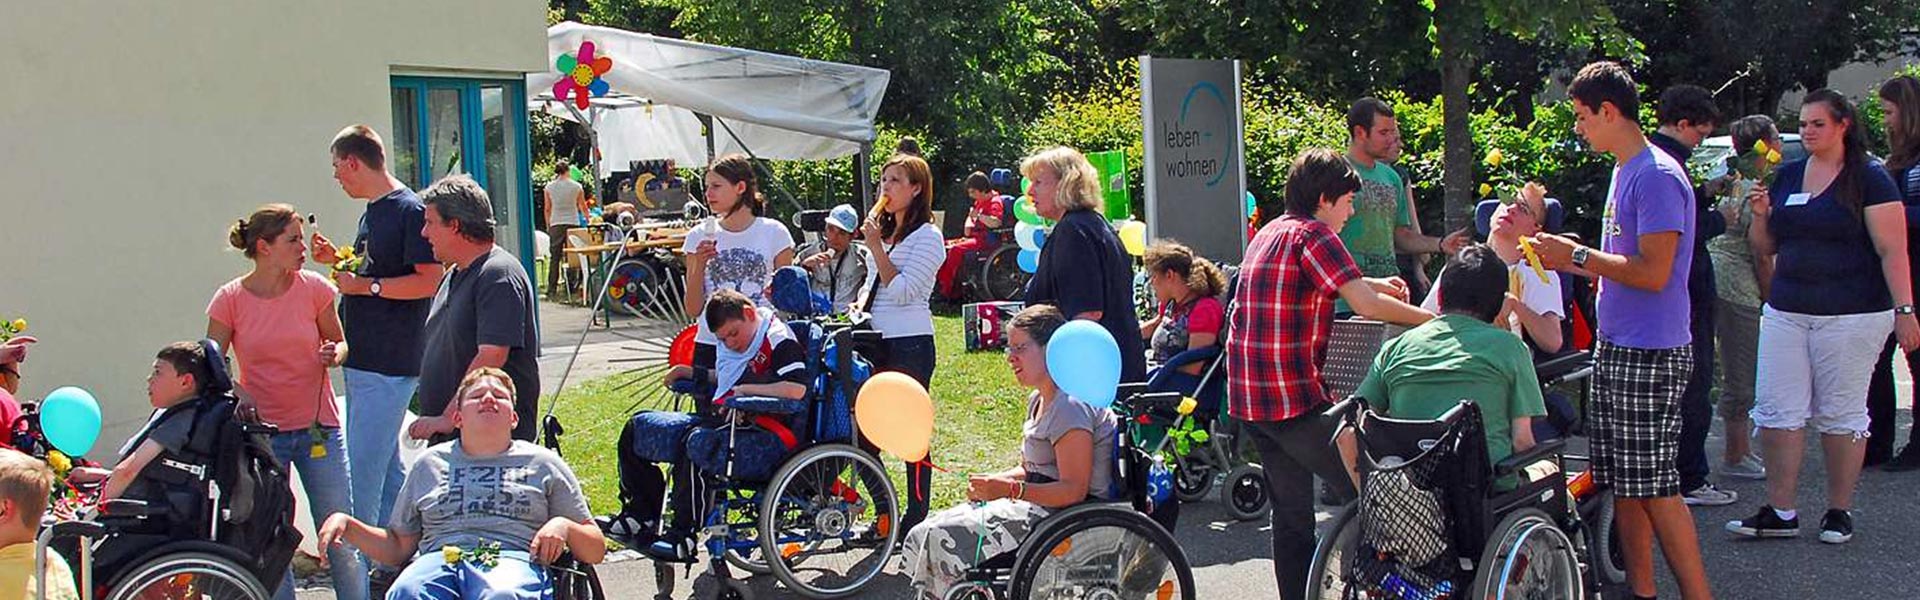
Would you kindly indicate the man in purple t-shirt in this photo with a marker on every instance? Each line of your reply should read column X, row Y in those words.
column 1644, row 353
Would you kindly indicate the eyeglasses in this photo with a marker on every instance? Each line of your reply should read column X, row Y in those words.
column 1020, row 348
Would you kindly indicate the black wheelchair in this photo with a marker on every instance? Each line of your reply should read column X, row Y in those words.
column 1432, row 523
column 992, row 272
column 1118, row 549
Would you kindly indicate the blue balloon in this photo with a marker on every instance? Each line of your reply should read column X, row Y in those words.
column 1029, row 260
column 71, row 419
column 1039, row 237
column 1085, row 362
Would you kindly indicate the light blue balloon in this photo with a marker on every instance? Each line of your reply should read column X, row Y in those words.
column 1085, row 362
column 1039, row 237
column 71, row 419
column 1029, row 260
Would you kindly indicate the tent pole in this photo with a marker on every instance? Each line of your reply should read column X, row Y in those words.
column 593, row 150
column 862, row 162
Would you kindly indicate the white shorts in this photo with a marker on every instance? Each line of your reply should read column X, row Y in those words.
column 1814, row 369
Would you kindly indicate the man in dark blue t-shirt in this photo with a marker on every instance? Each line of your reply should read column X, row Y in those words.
column 383, row 308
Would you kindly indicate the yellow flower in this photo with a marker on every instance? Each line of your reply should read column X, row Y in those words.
column 1773, row 156
column 1760, row 147
column 60, row 463
column 19, row 325
column 450, row 553
column 1187, row 404
column 1486, row 190
column 1495, row 157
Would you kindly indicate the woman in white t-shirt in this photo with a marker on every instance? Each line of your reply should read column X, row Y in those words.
column 907, row 252
column 1536, row 317
column 736, row 249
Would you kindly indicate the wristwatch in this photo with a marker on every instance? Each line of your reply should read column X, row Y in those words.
column 1904, row 309
column 375, row 288
column 1580, row 256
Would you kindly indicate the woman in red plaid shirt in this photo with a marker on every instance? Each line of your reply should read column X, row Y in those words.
column 1282, row 319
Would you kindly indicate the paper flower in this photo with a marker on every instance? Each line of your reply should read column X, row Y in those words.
column 1486, row 189
column 1495, row 158
column 8, row 329
column 582, row 72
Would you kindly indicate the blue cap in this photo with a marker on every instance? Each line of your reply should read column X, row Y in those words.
column 844, row 217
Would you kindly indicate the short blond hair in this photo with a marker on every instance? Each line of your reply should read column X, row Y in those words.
column 1079, row 182
column 26, row 482
column 476, row 375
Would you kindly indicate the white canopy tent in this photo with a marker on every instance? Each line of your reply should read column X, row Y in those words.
column 767, row 105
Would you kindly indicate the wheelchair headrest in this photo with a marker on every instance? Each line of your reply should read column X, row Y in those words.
column 220, row 380
column 1483, row 216
column 1002, row 179
column 793, row 293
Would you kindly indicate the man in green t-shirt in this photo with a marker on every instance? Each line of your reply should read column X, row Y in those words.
column 1383, row 222
column 1462, row 355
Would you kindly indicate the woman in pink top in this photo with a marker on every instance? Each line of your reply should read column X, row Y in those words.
column 279, row 325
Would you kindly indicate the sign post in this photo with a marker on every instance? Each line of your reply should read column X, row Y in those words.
column 1195, row 171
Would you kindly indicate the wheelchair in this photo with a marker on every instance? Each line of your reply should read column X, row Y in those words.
column 220, row 522
column 1430, row 522
column 992, row 273
column 1101, row 549
column 821, row 519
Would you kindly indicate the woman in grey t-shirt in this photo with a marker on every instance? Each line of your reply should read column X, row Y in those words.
column 1066, row 457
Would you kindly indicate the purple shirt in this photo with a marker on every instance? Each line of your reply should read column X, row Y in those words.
column 1649, row 194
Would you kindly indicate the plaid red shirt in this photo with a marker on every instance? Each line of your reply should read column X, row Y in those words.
column 1283, row 318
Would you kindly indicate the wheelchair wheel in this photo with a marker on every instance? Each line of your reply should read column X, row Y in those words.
column 575, row 580
column 1000, row 276
column 644, row 290
column 751, row 560
column 1601, row 541
column 200, row 575
column 1192, row 478
column 826, row 523
column 1246, row 493
column 1327, row 577
column 1100, row 551
column 1528, row 557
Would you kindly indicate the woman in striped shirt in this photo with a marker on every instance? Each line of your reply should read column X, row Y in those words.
column 907, row 252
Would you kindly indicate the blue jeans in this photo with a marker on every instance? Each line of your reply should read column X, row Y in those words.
column 325, row 480
column 376, row 406
column 431, row 577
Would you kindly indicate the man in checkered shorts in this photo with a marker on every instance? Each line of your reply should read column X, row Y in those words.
column 1644, row 354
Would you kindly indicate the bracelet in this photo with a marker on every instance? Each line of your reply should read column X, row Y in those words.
column 1019, row 490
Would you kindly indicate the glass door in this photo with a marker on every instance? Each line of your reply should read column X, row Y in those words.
column 478, row 127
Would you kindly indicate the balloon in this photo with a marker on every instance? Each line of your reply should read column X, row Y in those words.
column 1085, row 362
column 1133, row 236
column 1029, row 260
column 896, row 414
column 1023, row 232
column 1250, row 205
column 1039, row 237
column 1026, row 213
column 71, row 419
column 681, row 352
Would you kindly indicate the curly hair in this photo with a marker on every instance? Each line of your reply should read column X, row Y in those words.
column 1203, row 278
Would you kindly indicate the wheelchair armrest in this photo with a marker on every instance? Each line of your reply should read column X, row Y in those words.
column 1573, row 365
column 1520, row 460
column 76, row 529
column 688, row 386
column 764, row 405
column 1163, row 408
column 124, row 507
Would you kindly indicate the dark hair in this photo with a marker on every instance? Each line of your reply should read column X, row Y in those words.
column 266, row 223
column 560, row 169
column 1904, row 137
column 359, row 142
column 1690, row 103
column 1363, row 112
column 908, row 146
column 1474, row 283
column 921, row 212
column 188, row 358
column 1606, row 82
column 1203, row 278
column 1318, row 173
column 978, row 182
column 1039, row 321
column 736, row 168
column 1749, row 129
column 461, row 199
column 1846, row 185
column 726, row 305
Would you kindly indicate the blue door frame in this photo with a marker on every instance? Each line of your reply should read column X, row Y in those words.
column 473, row 143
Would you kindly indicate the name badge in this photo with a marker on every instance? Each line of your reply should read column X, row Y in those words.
column 1798, row 199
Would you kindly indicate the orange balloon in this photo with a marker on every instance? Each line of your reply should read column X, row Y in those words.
column 896, row 414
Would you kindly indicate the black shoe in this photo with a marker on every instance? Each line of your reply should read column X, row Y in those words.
column 1836, row 527
column 1907, row 460
column 1766, row 524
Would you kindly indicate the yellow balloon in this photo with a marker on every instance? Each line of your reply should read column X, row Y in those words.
column 1133, row 236
column 896, row 414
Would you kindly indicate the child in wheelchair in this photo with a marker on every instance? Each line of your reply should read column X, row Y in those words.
column 180, row 373
column 758, row 356
column 479, row 515
column 1191, row 316
column 25, row 484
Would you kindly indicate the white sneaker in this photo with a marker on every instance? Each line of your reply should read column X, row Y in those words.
column 1748, row 468
column 1708, row 495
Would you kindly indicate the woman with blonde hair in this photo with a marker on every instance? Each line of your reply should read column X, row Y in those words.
column 1083, row 269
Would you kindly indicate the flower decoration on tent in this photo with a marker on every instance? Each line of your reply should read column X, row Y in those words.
column 582, row 71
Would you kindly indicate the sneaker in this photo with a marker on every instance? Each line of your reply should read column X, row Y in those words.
column 1766, row 524
column 1708, row 495
column 1907, row 460
column 1836, row 527
column 673, row 548
column 1748, row 468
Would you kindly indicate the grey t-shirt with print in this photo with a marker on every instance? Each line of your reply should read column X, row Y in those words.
column 450, row 498
column 1038, row 435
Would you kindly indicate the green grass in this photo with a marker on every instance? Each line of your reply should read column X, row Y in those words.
column 978, row 410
